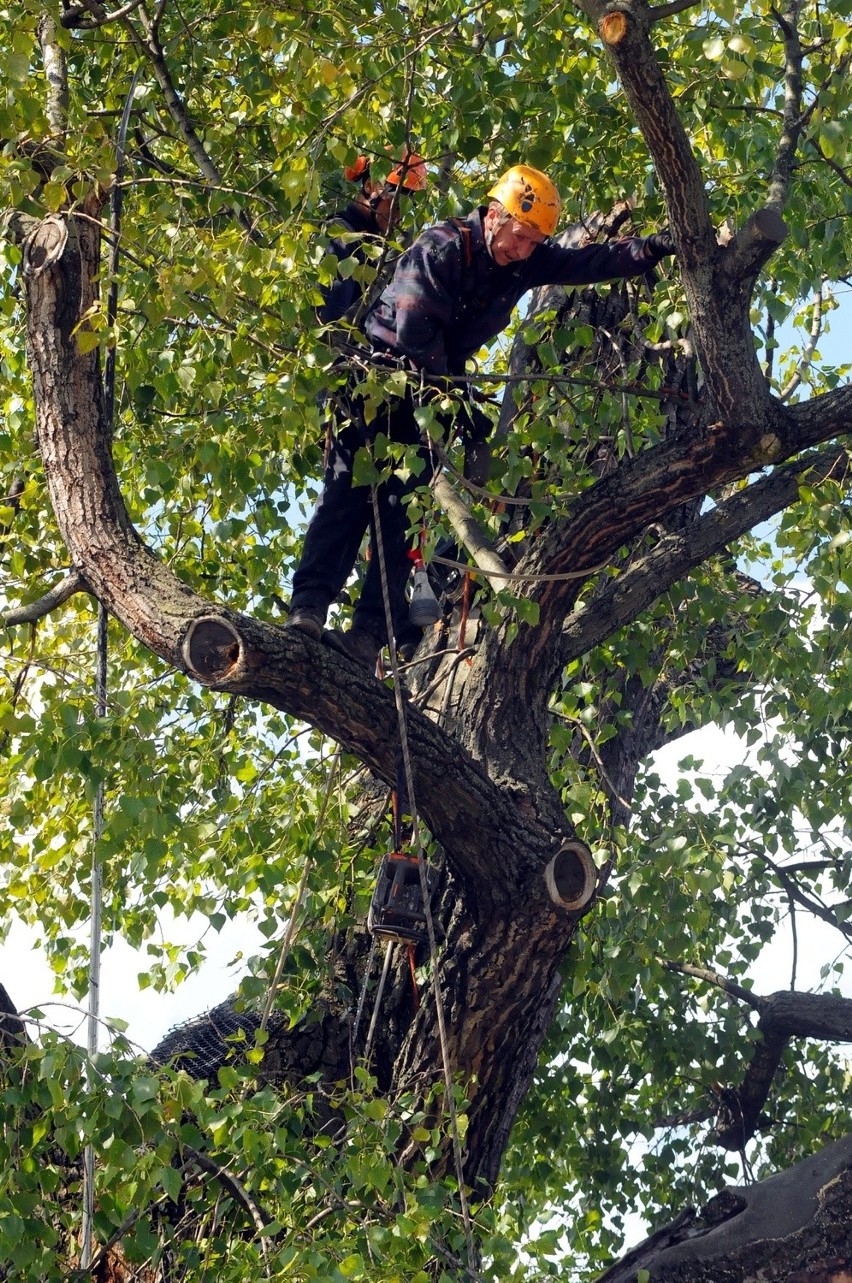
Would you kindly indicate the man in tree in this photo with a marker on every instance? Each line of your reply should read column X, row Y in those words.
column 452, row 293
column 375, row 211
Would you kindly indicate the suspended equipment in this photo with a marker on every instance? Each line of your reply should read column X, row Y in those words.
column 397, row 911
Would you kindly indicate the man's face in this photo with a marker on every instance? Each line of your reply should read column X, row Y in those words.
column 511, row 241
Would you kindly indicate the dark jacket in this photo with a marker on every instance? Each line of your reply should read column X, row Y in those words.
column 439, row 309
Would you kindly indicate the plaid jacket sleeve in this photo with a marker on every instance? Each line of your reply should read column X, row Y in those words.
column 557, row 265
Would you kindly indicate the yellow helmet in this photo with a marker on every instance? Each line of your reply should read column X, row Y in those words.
column 530, row 197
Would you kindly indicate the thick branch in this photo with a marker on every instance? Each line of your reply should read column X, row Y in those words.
column 718, row 282
column 752, row 247
column 624, row 32
column 642, row 582
column 615, row 510
column 56, row 75
column 84, row 18
column 802, row 1218
column 785, row 156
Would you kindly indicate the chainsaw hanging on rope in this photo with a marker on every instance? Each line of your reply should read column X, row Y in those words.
column 397, row 911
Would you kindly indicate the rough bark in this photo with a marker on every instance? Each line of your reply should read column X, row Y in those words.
column 795, row 1227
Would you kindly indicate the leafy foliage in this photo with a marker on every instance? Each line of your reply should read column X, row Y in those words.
column 212, row 808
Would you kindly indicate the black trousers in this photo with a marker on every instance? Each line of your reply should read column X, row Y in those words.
column 344, row 513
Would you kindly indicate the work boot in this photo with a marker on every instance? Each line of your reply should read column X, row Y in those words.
column 308, row 619
column 356, row 644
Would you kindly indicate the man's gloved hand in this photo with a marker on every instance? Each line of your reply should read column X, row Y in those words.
column 659, row 245
column 477, row 462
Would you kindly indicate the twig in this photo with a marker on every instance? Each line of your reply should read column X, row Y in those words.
column 153, row 51
column 727, row 986
column 832, row 164
column 659, row 11
column 794, row 891
column 368, row 85
column 810, row 348
column 103, row 1251
column 607, row 779
column 239, row 1191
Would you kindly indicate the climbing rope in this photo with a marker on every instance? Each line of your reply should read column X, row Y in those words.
column 95, row 914
column 97, row 889
column 417, row 848
column 520, row 577
column 362, row 358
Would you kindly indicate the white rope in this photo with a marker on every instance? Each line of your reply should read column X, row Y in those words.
column 506, row 574
column 97, row 890
column 368, row 1046
column 417, row 846
column 95, row 914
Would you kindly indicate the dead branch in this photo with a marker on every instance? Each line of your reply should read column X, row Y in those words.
column 72, row 583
